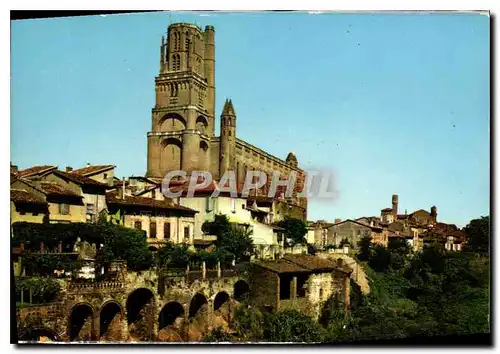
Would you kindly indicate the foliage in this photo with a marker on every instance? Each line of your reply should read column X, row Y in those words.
column 219, row 226
column 46, row 264
column 32, row 234
column 295, row 229
column 249, row 323
column 291, row 326
column 218, row 335
column 43, row 290
column 173, row 256
column 231, row 240
column 365, row 246
column 127, row 244
column 478, row 235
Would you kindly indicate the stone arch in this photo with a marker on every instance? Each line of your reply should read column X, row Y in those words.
column 172, row 122
column 140, row 314
column 41, row 334
column 203, row 146
column 220, row 299
column 198, row 303
column 201, row 124
column 153, row 248
column 171, row 154
column 110, row 321
column 170, row 314
column 81, row 322
column 241, row 290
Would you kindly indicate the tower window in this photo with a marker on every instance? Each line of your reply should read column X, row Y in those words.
column 187, row 40
column 177, row 42
column 229, row 133
column 176, row 62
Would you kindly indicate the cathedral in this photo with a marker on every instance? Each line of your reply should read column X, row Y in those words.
column 182, row 135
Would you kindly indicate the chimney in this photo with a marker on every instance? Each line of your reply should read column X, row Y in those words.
column 337, row 221
column 14, row 168
column 69, row 168
column 395, row 205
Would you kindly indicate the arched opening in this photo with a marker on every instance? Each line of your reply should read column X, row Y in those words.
column 39, row 335
column 172, row 122
column 241, row 290
column 171, row 155
column 140, row 314
column 81, row 323
column 153, row 248
column 110, row 320
column 203, row 146
column 199, row 303
column 220, row 299
column 198, row 317
column 171, row 314
column 201, row 124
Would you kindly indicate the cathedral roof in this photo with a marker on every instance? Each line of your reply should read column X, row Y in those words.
column 228, row 109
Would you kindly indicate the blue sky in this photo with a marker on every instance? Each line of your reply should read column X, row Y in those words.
column 391, row 103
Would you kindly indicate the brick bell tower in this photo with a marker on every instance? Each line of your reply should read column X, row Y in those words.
column 183, row 116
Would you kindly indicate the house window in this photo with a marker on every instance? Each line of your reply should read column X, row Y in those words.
column 233, row 205
column 242, row 206
column 152, row 230
column 138, row 225
column 153, row 194
column 321, row 294
column 186, row 231
column 90, row 208
column 105, row 176
column 209, row 204
column 64, row 209
column 166, row 231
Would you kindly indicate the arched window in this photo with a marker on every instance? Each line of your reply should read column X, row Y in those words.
column 176, row 62
column 177, row 42
column 187, row 40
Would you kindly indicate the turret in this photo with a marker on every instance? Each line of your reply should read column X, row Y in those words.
column 291, row 159
column 434, row 213
column 395, row 206
column 209, row 63
column 227, row 137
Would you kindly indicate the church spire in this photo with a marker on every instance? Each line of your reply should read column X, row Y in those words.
column 228, row 109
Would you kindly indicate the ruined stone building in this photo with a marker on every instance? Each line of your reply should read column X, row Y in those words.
column 182, row 135
column 299, row 281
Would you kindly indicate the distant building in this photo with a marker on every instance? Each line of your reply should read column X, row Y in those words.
column 353, row 231
column 301, row 282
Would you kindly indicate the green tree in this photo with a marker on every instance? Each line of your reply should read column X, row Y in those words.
column 231, row 240
column 43, row 290
column 173, row 256
column 127, row 244
column 218, row 335
column 248, row 323
column 295, row 229
column 365, row 247
column 237, row 242
column 380, row 258
column 478, row 235
column 291, row 326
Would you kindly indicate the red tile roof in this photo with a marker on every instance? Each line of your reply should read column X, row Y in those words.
column 80, row 179
column 55, row 189
column 310, row 262
column 150, row 203
column 91, row 170
column 281, row 266
column 19, row 196
column 35, row 170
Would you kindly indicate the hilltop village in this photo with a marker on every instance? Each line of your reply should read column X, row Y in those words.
column 121, row 262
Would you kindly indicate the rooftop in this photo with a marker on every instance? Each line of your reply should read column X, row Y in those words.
column 92, row 169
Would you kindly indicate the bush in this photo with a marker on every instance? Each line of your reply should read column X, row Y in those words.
column 43, row 290
column 291, row 326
